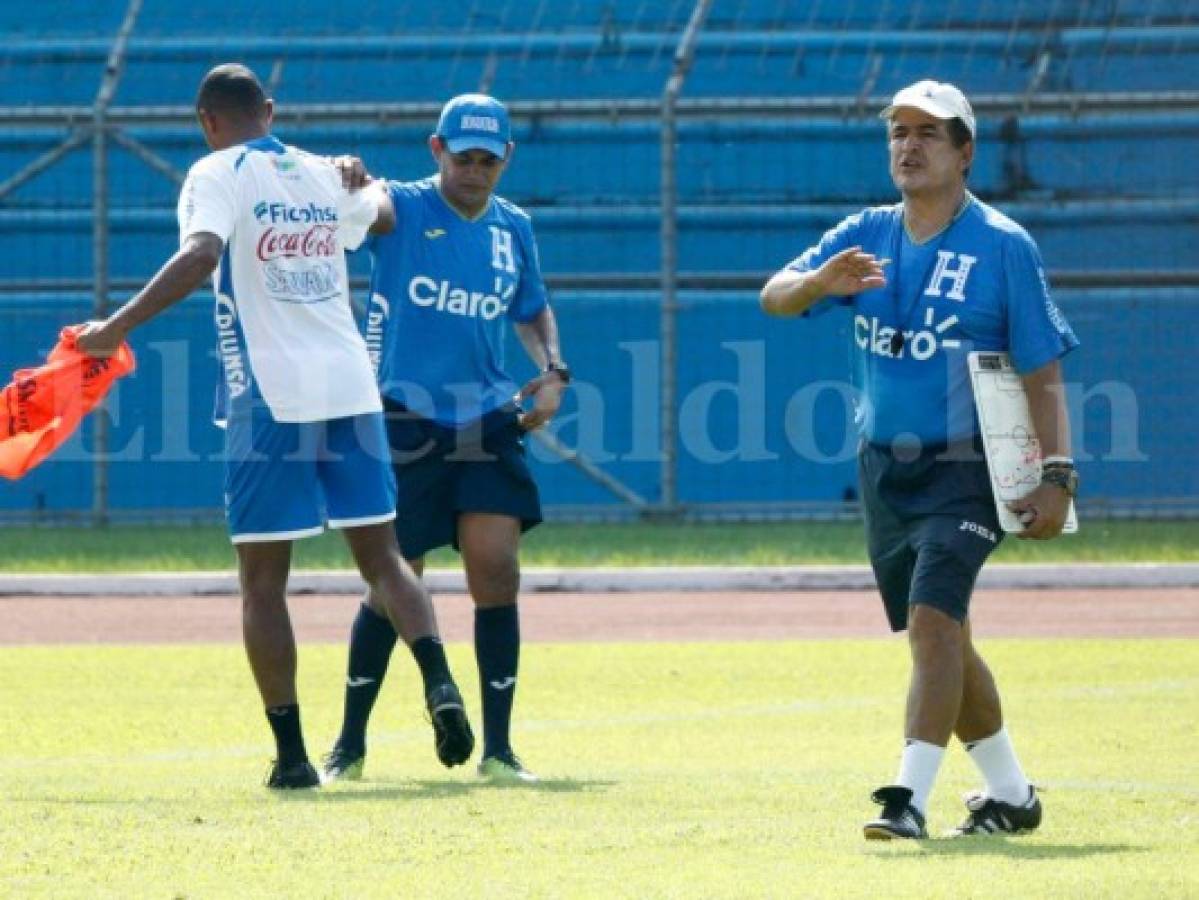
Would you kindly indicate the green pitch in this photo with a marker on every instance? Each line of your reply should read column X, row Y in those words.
column 159, row 548
column 702, row 770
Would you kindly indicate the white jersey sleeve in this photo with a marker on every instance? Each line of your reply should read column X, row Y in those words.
column 358, row 211
column 208, row 201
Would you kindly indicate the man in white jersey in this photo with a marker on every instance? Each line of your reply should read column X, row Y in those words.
column 305, row 440
column 458, row 270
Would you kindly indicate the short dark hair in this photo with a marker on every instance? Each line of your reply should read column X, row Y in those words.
column 959, row 136
column 959, row 133
column 231, row 90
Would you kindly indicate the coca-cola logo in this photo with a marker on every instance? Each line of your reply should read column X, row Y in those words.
column 319, row 240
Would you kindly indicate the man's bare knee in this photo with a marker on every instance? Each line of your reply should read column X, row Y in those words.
column 262, row 591
column 933, row 634
column 494, row 580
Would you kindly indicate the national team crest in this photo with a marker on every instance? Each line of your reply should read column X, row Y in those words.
column 955, row 267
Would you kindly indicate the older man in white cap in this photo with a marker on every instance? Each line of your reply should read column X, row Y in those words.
column 928, row 280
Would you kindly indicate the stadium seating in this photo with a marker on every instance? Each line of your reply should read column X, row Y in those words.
column 1101, row 192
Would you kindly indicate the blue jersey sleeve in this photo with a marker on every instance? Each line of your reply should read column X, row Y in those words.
column 401, row 197
column 1038, row 333
column 842, row 237
column 531, row 296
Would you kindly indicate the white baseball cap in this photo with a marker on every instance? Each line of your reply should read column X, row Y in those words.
column 937, row 98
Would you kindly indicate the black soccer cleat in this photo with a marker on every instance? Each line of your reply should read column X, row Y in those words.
column 292, row 777
column 452, row 737
column 341, row 764
column 990, row 816
column 899, row 818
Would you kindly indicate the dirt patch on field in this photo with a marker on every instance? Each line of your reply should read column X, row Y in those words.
column 613, row 617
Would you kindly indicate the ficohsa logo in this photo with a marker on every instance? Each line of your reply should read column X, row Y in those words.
column 274, row 212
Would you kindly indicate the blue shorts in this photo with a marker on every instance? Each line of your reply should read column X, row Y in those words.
column 930, row 526
column 443, row 472
column 287, row 480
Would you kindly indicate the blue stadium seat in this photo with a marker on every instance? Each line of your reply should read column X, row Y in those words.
column 1099, row 192
column 73, row 19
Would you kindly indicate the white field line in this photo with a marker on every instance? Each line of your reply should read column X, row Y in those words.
column 711, row 714
column 421, row 735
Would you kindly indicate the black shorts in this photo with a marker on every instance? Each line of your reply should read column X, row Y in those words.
column 441, row 472
column 930, row 526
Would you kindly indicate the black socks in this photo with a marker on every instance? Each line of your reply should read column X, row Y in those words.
column 497, row 650
column 289, row 738
column 372, row 639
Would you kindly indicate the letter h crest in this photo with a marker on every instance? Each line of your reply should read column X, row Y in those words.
column 957, row 276
column 502, row 257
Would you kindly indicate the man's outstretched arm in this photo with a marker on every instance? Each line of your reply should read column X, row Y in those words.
column 789, row 293
column 179, row 277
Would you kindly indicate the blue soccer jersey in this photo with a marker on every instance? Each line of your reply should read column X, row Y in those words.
column 443, row 290
column 978, row 285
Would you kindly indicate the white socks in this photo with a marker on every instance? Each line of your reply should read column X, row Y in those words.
column 918, row 770
column 994, row 756
column 997, row 762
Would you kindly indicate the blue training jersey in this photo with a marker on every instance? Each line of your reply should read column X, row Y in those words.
column 978, row 285
column 443, row 290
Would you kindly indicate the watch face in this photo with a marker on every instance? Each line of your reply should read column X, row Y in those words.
column 1066, row 479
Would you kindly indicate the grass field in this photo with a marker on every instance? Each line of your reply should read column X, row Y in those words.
column 700, row 770
column 181, row 548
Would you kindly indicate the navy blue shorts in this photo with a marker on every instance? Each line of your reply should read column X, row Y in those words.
column 442, row 472
column 930, row 526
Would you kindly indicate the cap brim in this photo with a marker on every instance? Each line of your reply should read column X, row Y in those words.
column 924, row 104
column 491, row 145
column 928, row 105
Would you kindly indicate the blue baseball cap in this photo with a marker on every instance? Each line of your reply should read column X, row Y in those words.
column 475, row 122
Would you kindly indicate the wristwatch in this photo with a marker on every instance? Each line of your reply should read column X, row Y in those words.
column 561, row 369
column 1062, row 475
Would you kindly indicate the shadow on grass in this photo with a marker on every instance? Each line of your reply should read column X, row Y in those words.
column 994, row 845
column 423, row 789
column 342, row 792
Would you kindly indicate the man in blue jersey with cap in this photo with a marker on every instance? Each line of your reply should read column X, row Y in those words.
column 928, row 280
column 459, row 265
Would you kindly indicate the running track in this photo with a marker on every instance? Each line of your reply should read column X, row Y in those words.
column 613, row 617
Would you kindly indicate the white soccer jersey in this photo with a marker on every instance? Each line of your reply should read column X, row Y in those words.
column 285, row 334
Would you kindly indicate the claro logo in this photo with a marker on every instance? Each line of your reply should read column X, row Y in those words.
column 444, row 297
column 874, row 337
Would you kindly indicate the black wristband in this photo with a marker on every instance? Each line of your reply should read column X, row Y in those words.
column 562, row 370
